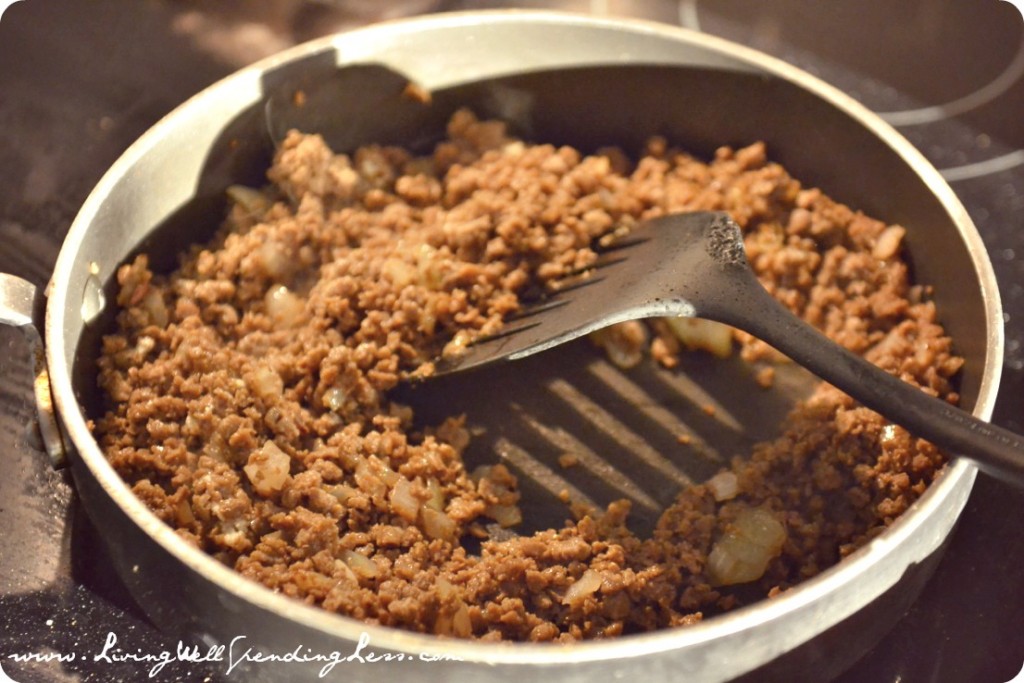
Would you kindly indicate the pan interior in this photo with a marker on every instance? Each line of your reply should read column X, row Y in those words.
column 639, row 434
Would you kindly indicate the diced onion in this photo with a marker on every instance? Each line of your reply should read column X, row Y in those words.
column 436, row 500
column 458, row 345
column 429, row 268
column 697, row 333
column 505, row 515
column 888, row 434
column 249, row 199
column 153, row 302
column 369, row 482
column 586, row 585
column 438, row 525
column 183, row 513
column 457, row 623
column 266, row 383
column 267, row 469
column 400, row 273
column 342, row 492
column 403, row 502
column 624, row 343
column 742, row 554
column 334, row 399
column 382, row 470
column 360, row 564
column 888, row 244
column 274, row 260
column 462, row 625
column 284, row 307
column 723, row 486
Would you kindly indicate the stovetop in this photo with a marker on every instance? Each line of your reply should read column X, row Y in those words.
column 80, row 81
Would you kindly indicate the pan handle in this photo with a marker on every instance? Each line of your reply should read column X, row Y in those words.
column 22, row 306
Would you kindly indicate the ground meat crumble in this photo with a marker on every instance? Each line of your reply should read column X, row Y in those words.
column 248, row 390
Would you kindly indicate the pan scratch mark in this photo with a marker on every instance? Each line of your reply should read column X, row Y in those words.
column 591, row 461
column 547, row 478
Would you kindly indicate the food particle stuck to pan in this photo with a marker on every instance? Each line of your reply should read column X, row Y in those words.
column 249, row 406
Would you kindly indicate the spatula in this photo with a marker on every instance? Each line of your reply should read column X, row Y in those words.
column 694, row 265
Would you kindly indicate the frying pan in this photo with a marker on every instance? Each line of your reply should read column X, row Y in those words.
column 555, row 78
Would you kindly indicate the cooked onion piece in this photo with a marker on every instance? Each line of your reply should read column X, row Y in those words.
column 697, row 333
column 742, row 553
column 267, row 469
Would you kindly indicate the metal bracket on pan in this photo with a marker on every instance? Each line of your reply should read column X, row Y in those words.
column 21, row 305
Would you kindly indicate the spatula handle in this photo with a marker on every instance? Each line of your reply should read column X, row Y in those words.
column 997, row 451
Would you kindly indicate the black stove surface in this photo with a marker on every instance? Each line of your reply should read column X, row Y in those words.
column 79, row 81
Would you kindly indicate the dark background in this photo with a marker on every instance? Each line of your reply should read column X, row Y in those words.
column 80, row 80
